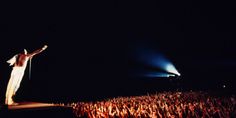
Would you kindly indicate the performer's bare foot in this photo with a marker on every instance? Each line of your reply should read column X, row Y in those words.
column 14, row 103
column 11, row 102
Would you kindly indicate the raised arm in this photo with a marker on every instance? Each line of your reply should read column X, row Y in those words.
column 38, row 51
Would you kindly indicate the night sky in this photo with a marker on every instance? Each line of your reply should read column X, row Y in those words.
column 91, row 44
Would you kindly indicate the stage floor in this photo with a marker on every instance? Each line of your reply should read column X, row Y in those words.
column 31, row 105
column 36, row 110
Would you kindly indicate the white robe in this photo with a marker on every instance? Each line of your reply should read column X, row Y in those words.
column 15, row 79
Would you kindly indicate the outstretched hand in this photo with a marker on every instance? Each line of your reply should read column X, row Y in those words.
column 44, row 47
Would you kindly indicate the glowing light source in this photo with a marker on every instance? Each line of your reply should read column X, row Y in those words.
column 224, row 86
column 154, row 59
column 171, row 69
column 159, row 74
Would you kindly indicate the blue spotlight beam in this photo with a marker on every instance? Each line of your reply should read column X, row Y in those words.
column 155, row 59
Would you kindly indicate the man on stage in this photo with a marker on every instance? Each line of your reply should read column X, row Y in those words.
column 19, row 63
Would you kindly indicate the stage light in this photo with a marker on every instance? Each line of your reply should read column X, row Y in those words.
column 171, row 69
column 224, row 86
column 155, row 59
column 159, row 74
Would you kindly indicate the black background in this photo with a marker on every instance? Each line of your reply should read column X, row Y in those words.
column 90, row 46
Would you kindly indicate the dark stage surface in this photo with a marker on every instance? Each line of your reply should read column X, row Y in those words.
column 90, row 47
column 36, row 110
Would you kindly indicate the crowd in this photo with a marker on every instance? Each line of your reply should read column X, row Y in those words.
column 160, row 105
